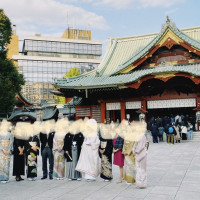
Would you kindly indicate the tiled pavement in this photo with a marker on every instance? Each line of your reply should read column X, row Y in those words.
column 173, row 173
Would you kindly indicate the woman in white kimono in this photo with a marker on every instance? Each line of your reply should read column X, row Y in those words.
column 6, row 147
column 139, row 150
column 88, row 162
column 59, row 159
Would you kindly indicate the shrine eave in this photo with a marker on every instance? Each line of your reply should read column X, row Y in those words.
column 49, row 112
column 17, row 114
column 92, row 82
column 23, row 100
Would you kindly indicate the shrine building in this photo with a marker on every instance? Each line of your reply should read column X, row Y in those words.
column 154, row 74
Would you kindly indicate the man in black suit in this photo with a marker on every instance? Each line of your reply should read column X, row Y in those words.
column 46, row 151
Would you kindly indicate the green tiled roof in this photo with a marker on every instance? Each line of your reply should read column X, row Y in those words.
column 143, row 51
column 19, row 113
column 49, row 112
column 67, row 110
column 122, row 52
column 122, row 79
column 70, row 107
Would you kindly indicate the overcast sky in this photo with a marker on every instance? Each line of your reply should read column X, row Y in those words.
column 116, row 18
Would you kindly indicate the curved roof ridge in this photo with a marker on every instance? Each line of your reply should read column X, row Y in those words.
column 123, row 79
column 25, row 99
column 107, row 59
column 168, row 24
column 186, row 37
column 138, row 53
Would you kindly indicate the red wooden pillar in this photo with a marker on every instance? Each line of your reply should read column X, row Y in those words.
column 103, row 112
column 123, row 110
column 144, row 105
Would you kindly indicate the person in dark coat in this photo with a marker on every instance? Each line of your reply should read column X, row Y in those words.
column 72, row 149
column 46, row 152
column 151, row 122
column 166, row 120
column 154, row 131
column 18, row 159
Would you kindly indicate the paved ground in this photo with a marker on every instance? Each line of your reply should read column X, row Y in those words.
column 173, row 173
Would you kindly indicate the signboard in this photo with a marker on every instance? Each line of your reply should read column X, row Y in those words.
column 133, row 104
column 113, row 106
column 172, row 103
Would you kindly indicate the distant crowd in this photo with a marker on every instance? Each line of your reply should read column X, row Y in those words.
column 173, row 128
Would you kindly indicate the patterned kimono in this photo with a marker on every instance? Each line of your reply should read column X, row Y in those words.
column 140, row 159
column 129, row 167
column 6, row 143
column 31, row 156
column 59, row 159
column 106, row 159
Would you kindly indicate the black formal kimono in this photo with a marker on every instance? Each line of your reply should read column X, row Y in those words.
column 18, row 160
column 31, row 156
column 72, row 144
column 106, row 158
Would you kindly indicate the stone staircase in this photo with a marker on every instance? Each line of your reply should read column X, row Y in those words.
column 196, row 137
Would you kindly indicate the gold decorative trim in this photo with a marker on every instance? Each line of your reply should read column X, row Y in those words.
column 191, row 60
column 169, row 34
column 173, row 63
column 163, row 75
column 152, row 64
column 122, row 87
column 128, row 69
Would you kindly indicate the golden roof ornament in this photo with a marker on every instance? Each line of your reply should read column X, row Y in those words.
column 168, row 23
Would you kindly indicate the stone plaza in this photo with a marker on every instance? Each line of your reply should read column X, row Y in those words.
column 173, row 172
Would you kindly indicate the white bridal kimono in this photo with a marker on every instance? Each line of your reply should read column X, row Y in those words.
column 88, row 162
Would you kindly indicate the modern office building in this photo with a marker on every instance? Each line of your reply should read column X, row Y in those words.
column 44, row 59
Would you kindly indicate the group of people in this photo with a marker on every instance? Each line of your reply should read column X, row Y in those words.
column 176, row 128
column 73, row 149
